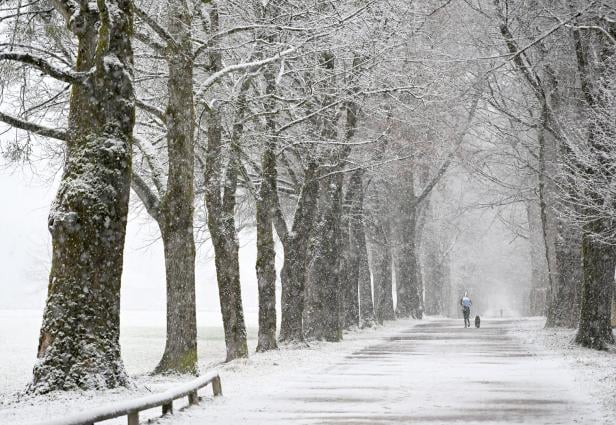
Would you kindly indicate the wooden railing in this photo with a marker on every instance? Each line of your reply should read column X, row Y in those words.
column 131, row 408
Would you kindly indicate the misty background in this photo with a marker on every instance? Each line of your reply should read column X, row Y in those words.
column 489, row 258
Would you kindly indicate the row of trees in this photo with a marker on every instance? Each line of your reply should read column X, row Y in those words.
column 331, row 122
column 553, row 116
column 298, row 111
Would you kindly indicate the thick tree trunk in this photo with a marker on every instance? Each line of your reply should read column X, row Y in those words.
column 221, row 224
column 539, row 269
column 226, row 251
column 406, row 276
column 562, row 249
column 295, row 244
column 407, row 286
column 349, row 281
column 324, row 321
column 382, row 267
column 266, row 253
column 267, row 202
column 79, row 339
column 595, row 329
column 564, row 307
column 358, row 244
column 176, row 209
column 180, row 355
column 599, row 258
column 349, row 276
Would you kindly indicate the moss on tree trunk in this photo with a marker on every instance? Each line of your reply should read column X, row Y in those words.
column 79, row 339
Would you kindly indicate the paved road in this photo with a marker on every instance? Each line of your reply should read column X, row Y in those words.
column 434, row 373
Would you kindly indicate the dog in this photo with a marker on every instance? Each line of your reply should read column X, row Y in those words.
column 477, row 321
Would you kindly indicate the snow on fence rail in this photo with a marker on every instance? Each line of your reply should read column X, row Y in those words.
column 132, row 408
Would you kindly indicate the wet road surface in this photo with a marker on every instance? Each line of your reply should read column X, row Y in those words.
column 436, row 372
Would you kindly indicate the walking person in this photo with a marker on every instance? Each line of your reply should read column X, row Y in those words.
column 466, row 304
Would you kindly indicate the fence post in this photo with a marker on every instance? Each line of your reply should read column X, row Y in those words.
column 216, row 386
column 133, row 418
column 193, row 398
column 168, row 408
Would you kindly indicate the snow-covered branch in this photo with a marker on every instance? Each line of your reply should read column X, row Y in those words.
column 41, row 64
column 54, row 133
column 159, row 30
column 247, row 66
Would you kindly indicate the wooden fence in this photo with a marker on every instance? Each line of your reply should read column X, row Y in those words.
column 131, row 408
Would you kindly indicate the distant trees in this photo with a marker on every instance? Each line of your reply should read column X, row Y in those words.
column 561, row 55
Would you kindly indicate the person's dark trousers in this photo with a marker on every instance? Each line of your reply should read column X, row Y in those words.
column 467, row 315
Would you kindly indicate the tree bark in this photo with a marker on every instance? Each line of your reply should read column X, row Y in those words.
column 349, row 277
column 406, row 277
column 324, row 321
column 79, row 339
column 266, row 252
column 382, row 267
column 295, row 244
column 220, row 190
column 599, row 258
column 595, row 328
column 358, row 243
column 564, row 307
column 176, row 208
column 539, row 270
column 221, row 224
column 435, row 259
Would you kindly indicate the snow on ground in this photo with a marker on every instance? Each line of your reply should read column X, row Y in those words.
column 405, row 370
column 431, row 372
column 142, row 341
column 594, row 371
column 142, row 347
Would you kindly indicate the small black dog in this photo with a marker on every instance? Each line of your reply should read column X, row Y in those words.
column 477, row 321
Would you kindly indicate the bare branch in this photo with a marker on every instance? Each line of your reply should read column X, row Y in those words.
column 54, row 133
column 160, row 31
column 44, row 66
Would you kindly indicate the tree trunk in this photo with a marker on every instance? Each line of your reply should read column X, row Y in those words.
column 349, row 277
column 564, row 308
column 221, row 224
column 406, row 276
column 599, row 258
column 295, row 244
column 176, row 209
column 180, row 355
column 266, row 253
column 539, row 269
column 79, row 339
column 561, row 240
column 595, row 329
column 324, row 297
column 382, row 267
column 366, row 303
column 358, row 243
column 434, row 272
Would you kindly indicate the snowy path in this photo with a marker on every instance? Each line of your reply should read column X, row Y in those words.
column 433, row 373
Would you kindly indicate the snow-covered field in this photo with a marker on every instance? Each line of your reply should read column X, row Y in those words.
column 143, row 342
